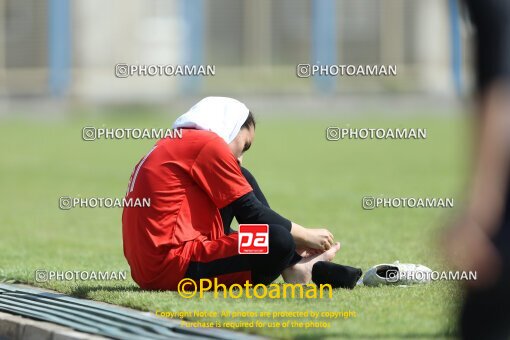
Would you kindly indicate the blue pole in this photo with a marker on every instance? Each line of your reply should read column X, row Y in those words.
column 456, row 55
column 59, row 46
column 324, row 36
column 193, row 15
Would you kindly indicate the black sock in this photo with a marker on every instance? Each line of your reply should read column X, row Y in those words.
column 337, row 275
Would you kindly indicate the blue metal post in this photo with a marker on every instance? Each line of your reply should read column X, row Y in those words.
column 59, row 46
column 324, row 38
column 456, row 45
column 193, row 16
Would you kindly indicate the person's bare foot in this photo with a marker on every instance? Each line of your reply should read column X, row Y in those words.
column 301, row 272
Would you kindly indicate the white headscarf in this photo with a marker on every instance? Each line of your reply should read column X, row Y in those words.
column 221, row 115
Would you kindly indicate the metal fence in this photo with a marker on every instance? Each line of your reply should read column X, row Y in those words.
column 69, row 48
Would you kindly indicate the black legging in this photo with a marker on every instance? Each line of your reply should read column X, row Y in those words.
column 265, row 268
column 282, row 248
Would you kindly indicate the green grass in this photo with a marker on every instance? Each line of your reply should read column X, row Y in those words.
column 312, row 181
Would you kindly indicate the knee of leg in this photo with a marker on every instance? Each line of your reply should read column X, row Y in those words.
column 249, row 177
column 280, row 240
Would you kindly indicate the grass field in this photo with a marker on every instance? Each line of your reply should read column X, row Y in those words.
column 306, row 178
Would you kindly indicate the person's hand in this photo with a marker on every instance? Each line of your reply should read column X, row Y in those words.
column 306, row 238
column 320, row 239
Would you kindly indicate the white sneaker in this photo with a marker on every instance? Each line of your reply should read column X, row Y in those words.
column 397, row 274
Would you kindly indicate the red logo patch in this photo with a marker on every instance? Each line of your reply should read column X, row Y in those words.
column 253, row 239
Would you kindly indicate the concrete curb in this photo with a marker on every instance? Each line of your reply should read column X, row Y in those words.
column 43, row 314
column 17, row 327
